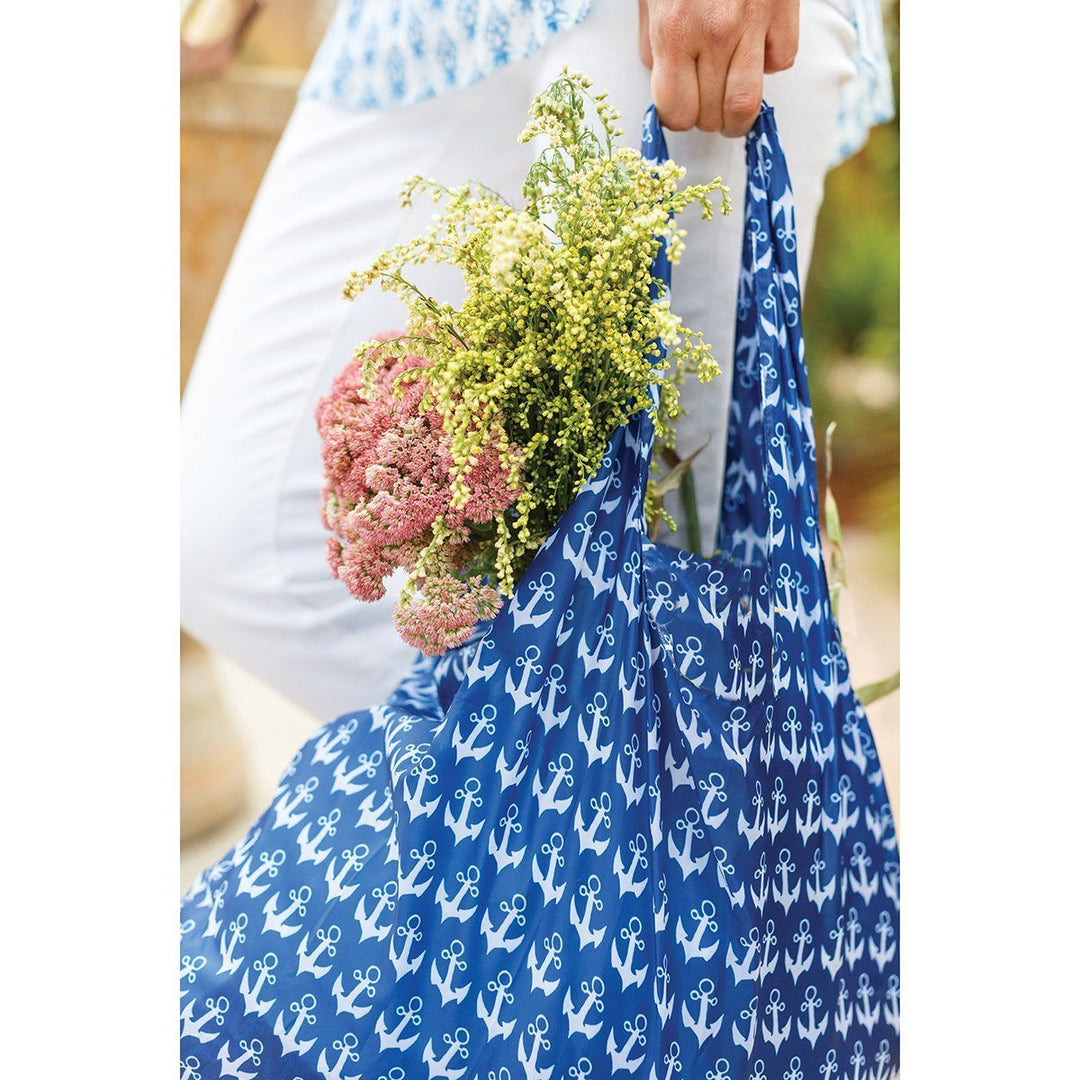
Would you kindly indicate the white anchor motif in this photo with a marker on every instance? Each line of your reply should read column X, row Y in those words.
column 715, row 590
column 774, row 1034
column 833, row 686
column 513, row 915
column 404, row 938
column 632, row 690
column 479, row 672
column 483, row 724
column 815, row 891
column 424, row 772
column 423, row 859
column 587, row 839
column 269, row 864
column 597, row 710
column 626, row 872
column 288, row 1036
column 725, row 869
column 754, row 832
column 599, row 577
column 577, row 1015
column 328, row 938
column 538, row 970
column 664, row 1004
column 385, row 900
column 469, row 796
column 845, row 1011
column 590, row 890
column 799, row 962
column 265, row 977
column 688, row 824
column 278, row 922
column 352, row 862
column 394, row 1038
column 189, row 1068
column 809, row 825
column 227, row 944
column 561, row 772
column 525, row 614
column 468, row 881
column 622, row 1059
column 704, row 916
column 529, row 663
column 250, row 1050
column 329, row 745
column 625, row 777
column 309, row 846
column 512, row 776
column 794, row 752
column 732, row 729
column 500, row 987
column 365, row 983
column 854, row 943
column 746, row 1041
column 784, row 892
column 439, row 1067
column 832, row 963
column 713, row 793
column 631, row 933
column 892, row 1003
column 866, row 887
column 193, row 1028
column 672, row 1064
column 353, row 781
column 510, row 826
column 552, row 848
column 776, row 822
column 814, row 1027
column 453, row 954
column 697, row 735
column 821, row 753
column 705, row 995
column 592, row 660
column 553, row 718
column 347, row 1050
column 371, row 816
column 630, row 598
column 866, row 1013
column 284, row 816
column 530, row 1058
column 760, row 891
column 748, row 966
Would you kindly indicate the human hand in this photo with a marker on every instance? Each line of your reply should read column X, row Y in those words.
column 708, row 57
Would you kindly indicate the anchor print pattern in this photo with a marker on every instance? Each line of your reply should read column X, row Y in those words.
column 635, row 828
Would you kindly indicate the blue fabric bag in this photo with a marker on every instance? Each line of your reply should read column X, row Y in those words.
column 635, row 828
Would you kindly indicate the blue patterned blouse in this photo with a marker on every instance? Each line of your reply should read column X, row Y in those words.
column 383, row 53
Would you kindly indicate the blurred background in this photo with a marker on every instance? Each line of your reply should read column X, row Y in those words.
column 237, row 735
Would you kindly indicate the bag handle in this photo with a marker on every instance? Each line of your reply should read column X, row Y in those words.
column 769, row 508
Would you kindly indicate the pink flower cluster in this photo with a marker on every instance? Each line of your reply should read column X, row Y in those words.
column 387, row 464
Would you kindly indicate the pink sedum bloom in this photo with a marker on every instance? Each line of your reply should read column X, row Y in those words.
column 388, row 482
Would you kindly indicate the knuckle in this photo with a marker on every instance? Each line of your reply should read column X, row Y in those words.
column 672, row 30
column 716, row 29
column 741, row 107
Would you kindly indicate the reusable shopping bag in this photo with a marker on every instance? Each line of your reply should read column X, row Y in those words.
column 635, row 828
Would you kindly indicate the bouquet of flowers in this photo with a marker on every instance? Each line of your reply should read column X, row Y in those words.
column 452, row 449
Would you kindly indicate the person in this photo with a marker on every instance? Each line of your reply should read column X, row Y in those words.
column 442, row 88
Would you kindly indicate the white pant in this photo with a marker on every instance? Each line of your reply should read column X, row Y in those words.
column 255, row 582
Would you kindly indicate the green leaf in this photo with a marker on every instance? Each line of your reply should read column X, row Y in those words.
column 877, row 690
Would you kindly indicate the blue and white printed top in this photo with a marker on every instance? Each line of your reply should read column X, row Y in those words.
column 385, row 53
